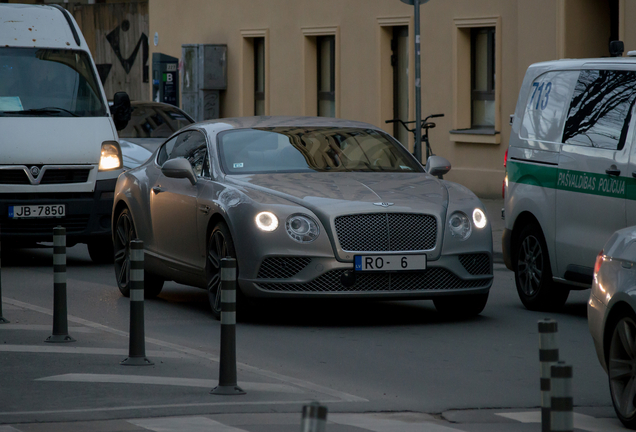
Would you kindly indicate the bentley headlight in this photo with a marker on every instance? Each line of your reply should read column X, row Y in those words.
column 302, row 228
column 267, row 221
column 459, row 226
column 479, row 218
column 111, row 156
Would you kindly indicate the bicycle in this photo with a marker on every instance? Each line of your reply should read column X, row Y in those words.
column 426, row 125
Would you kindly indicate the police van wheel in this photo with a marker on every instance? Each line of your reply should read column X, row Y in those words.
column 533, row 275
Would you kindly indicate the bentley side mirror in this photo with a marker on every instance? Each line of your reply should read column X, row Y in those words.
column 179, row 168
column 121, row 110
column 437, row 166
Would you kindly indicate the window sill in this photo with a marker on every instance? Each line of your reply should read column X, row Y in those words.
column 478, row 136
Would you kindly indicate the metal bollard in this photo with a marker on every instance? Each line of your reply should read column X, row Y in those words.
column 136, row 340
column 60, row 322
column 2, row 319
column 548, row 356
column 561, row 404
column 314, row 418
column 227, row 363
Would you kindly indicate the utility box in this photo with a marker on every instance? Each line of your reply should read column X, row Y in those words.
column 204, row 76
column 165, row 79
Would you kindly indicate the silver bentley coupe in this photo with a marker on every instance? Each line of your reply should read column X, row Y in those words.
column 310, row 208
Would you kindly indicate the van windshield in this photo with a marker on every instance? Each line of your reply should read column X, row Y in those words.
column 48, row 82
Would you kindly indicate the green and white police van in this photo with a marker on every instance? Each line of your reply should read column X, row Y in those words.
column 570, row 174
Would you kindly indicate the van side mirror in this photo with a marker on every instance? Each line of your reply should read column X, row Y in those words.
column 437, row 166
column 179, row 168
column 121, row 110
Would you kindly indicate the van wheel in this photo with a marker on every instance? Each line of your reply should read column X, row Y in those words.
column 533, row 274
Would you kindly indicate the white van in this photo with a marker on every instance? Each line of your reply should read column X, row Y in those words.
column 59, row 151
column 570, row 172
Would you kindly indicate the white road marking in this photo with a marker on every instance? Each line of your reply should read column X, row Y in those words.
column 56, row 349
column 43, row 327
column 7, row 428
column 581, row 421
column 157, row 380
column 165, row 406
column 344, row 397
column 398, row 422
column 179, row 424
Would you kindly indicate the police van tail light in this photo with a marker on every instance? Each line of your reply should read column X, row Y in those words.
column 598, row 263
column 503, row 186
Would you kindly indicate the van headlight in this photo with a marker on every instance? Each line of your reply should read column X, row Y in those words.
column 479, row 218
column 459, row 225
column 111, row 156
column 302, row 228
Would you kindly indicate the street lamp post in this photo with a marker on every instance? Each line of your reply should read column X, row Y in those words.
column 418, row 80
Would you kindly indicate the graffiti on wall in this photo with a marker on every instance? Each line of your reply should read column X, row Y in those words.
column 114, row 40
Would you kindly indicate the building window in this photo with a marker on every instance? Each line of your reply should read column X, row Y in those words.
column 259, row 76
column 326, row 50
column 483, row 77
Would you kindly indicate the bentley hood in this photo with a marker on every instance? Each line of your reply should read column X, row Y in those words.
column 332, row 194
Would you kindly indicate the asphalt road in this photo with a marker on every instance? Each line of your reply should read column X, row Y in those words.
column 376, row 365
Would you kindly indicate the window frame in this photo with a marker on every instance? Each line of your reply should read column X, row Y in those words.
column 489, row 93
column 462, row 130
column 322, row 94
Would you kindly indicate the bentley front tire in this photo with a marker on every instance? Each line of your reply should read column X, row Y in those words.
column 124, row 234
column 220, row 245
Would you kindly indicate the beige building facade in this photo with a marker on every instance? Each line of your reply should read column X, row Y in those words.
column 354, row 59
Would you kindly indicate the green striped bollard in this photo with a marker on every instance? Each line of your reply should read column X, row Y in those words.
column 137, row 341
column 60, row 320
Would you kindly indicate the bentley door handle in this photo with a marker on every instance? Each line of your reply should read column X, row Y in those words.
column 613, row 171
column 204, row 208
column 157, row 189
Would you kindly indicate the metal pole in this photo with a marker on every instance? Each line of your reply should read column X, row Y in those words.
column 2, row 319
column 227, row 363
column 418, row 86
column 137, row 341
column 60, row 321
column 548, row 356
column 314, row 418
column 561, row 403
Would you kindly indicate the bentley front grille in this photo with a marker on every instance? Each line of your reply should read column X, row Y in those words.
column 386, row 232
column 476, row 264
column 433, row 279
column 281, row 267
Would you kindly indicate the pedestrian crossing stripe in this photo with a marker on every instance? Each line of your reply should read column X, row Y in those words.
column 581, row 421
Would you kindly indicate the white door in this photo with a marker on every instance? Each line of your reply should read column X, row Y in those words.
column 593, row 168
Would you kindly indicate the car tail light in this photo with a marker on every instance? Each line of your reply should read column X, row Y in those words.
column 598, row 263
column 503, row 186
